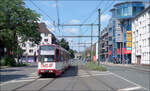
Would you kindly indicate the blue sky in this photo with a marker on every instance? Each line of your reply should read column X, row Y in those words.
column 73, row 12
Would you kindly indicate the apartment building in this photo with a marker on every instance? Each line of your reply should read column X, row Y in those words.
column 141, row 37
column 104, row 45
column 31, row 50
column 121, row 28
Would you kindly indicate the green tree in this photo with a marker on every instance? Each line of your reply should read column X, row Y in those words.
column 71, row 53
column 17, row 25
column 63, row 43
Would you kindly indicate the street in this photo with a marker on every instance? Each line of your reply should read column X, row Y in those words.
column 75, row 78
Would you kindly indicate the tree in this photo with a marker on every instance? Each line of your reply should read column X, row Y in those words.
column 17, row 25
column 72, row 53
column 63, row 43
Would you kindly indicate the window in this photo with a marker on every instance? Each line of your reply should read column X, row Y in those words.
column 46, row 40
column 23, row 45
column 31, row 45
column 46, row 34
column 149, row 40
column 110, row 38
column 125, row 11
column 45, row 48
column 47, row 58
column 149, row 27
column 30, row 51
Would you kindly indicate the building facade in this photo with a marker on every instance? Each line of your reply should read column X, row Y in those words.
column 31, row 50
column 104, row 45
column 141, row 38
column 121, row 28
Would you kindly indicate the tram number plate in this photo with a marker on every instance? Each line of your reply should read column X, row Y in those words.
column 46, row 70
column 46, row 65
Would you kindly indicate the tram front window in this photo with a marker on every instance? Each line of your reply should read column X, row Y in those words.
column 47, row 58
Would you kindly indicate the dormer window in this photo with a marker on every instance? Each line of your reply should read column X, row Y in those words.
column 45, row 34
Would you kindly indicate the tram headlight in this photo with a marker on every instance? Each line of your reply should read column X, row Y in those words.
column 50, row 70
column 42, row 70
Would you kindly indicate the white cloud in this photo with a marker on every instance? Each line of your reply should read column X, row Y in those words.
column 71, row 30
column 105, row 18
column 74, row 21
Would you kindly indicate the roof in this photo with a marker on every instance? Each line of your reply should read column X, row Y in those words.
column 127, row 3
column 43, row 28
column 142, row 12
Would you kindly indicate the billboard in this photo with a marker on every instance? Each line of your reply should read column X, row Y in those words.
column 129, row 40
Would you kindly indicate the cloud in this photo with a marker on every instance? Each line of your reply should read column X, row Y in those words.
column 74, row 21
column 71, row 30
column 105, row 18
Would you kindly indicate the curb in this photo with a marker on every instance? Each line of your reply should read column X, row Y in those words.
column 129, row 66
column 142, row 69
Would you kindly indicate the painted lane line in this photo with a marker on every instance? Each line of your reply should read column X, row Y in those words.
column 130, row 88
column 95, row 75
column 128, row 81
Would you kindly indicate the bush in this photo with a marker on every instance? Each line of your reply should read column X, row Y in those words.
column 21, row 64
column 7, row 61
column 97, row 67
column 3, row 62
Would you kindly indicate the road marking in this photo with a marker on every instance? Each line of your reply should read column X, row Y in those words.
column 15, row 81
column 128, row 89
column 137, row 85
column 95, row 75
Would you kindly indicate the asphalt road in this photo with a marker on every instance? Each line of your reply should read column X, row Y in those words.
column 75, row 78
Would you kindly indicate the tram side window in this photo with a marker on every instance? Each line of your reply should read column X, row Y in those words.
column 57, row 55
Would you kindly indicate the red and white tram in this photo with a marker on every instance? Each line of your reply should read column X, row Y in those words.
column 53, row 59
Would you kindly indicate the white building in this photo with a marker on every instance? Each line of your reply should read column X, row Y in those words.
column 30, row 50
column 141, row 38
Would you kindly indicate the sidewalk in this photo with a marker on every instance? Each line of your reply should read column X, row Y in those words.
column 3, row 67
column 134, row 66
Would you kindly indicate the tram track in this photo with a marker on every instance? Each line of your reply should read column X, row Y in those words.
column 28, row 83
column 47, row 84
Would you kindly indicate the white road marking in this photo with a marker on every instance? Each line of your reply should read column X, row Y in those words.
column 130, row 88
column 95, row 75
column 15, row 81
column 137, row 85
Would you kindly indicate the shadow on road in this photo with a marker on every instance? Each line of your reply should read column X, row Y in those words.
column 72, row 71
column 4, row 78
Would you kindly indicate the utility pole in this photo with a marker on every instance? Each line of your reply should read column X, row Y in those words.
column 91, row 42
column 99, row 34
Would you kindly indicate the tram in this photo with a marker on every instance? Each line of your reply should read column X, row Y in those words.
column 52, row 59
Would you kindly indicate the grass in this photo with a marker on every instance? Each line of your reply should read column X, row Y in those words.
column 91, row 66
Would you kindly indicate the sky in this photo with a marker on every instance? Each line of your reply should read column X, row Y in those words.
column 73, row 12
